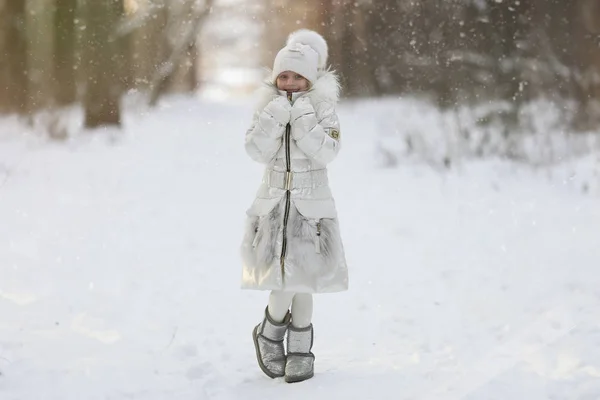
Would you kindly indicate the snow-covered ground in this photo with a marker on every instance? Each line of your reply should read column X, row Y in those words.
column 119, row 270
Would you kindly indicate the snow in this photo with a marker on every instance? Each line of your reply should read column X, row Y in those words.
column 473, row 132
column 120, row 271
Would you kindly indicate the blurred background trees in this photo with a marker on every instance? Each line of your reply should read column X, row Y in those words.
column 56, row 53
column 460, row 51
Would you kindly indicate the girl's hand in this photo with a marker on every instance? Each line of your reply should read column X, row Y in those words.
column 280, row 109
column 303, row 111
column 317, row 136
column 302, row 107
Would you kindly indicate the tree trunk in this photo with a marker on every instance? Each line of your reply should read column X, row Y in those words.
column 64, row 54
column 164, row 76
column 334, row 26
column 101, row 60
column 191, row 74
column 147, row 45
column 13, row 56
column 585, row 23
column 342, row 51
column 39, row 22
column 366, row 83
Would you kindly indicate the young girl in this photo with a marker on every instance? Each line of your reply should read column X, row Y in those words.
column 292, row 244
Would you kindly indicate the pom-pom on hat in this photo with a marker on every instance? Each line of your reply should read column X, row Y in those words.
column 305, row 53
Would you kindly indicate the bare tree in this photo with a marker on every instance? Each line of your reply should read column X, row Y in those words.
column 13, row 56
column 340, row 15
column 101, row 59
column 586, row 82
column 64, row 53
column 191, row 16
column 145, row 29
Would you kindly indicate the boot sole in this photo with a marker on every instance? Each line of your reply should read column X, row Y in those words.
column 294, row 379
column 258, row 358
column 297, row 379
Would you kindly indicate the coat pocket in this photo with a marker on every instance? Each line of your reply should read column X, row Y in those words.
column 316, row 209
column 320, row 218
column 257, row 213
column 264, row 217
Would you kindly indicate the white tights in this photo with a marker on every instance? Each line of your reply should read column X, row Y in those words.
column 302, row 307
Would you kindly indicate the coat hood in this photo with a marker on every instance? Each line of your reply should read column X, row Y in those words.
column 326, row 88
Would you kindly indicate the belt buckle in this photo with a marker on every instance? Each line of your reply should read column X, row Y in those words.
column 288, row 180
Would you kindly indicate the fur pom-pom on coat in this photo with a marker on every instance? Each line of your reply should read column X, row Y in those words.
column 292, row 239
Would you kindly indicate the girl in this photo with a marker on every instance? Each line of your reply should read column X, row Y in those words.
column 292, row 243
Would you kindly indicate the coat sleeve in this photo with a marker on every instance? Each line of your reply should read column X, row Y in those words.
column 264, row 137
column 317, row 134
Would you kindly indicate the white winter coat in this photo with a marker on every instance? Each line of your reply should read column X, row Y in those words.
column 292, row 239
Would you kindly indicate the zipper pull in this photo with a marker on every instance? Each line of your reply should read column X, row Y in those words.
column 289, row 96
column 255, row 241
column 318, row 238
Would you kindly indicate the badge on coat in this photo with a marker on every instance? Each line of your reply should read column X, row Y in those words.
column 334, row 133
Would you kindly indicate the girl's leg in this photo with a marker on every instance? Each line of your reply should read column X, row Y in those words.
column 299, row 364
column 302, row 310
column 268, row 336
column 279, row 304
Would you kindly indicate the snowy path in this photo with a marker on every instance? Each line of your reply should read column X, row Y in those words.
column 119, row 273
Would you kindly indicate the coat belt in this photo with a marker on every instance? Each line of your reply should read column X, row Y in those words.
column 295, row 180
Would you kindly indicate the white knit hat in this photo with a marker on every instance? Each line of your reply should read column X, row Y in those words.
column 305, row 53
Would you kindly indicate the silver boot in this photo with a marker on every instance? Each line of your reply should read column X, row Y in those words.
column 268, row 342
column 300, row 361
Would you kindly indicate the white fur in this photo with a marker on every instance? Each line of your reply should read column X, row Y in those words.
column 306, row 269
column 312, row 39
column 325, row 88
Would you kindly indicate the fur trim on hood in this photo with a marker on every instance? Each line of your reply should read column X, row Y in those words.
column 325, row 88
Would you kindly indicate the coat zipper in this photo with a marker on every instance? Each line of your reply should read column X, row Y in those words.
column 286, row 213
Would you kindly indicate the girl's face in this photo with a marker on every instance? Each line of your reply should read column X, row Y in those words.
column 291, row 82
